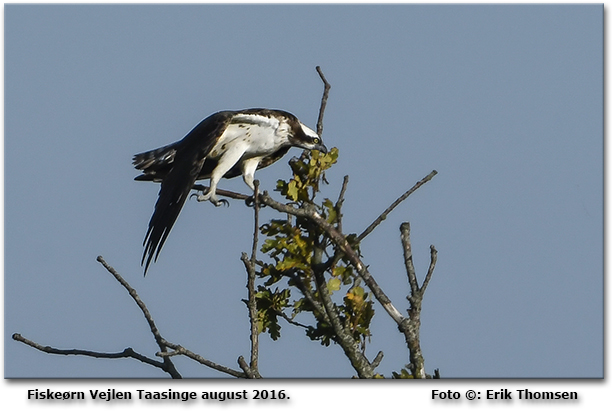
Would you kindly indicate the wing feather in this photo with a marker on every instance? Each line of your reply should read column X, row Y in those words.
column 187, row 163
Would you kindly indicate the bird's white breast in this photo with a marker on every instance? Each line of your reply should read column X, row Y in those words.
column 255, row 135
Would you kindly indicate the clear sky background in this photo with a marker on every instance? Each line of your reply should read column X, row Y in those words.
column 505, row 102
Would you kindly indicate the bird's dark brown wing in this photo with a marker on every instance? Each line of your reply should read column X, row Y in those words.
column 189, row 158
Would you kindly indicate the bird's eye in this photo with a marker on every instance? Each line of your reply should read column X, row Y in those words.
column 316, row 141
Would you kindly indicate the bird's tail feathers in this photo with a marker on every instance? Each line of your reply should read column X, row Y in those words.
column 155, row 164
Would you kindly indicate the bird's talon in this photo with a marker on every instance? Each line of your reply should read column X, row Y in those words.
column 250, row 202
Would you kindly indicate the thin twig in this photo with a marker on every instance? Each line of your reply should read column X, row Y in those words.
column 137, row 300
column 405, row 237
column 397, row 202
column 289, row 320
column 340, row 203
column 376, row 361
column 327, row 86
column 145, row 311
column 432, row 264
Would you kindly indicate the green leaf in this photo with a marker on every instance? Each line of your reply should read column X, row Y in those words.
column 292, row 191
column 330, row 210
column 334, row 284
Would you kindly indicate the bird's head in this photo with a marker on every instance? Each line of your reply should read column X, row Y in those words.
column 308, row 139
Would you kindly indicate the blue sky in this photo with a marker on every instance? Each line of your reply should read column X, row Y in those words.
column 505, row 102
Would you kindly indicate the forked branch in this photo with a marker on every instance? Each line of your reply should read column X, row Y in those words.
column 411, row 328
column 166, row 364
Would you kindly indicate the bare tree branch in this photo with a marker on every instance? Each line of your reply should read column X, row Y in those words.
column 327, row 86
column 340, row 203
column 127, row 353
column 432, row 265
column 179, row 350
column 167, row 365
column 417, row 291
column 145, row 311
column 377, row 359
column 245, row 367
column 289, row 320
column 412, row 279
column 411, row 329
column 137, row 300
column 397, row 202
column 162, row 342
column 256, row 223
column 251, row 302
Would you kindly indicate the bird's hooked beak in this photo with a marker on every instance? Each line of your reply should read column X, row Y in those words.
column 320, row 147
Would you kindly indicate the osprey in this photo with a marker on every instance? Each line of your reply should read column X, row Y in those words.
column 226, row 144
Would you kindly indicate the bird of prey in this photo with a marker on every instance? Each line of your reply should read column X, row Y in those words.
column 226, row 144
